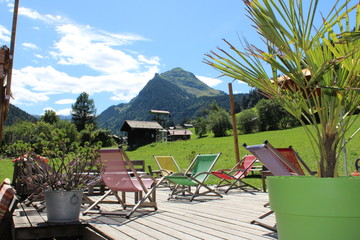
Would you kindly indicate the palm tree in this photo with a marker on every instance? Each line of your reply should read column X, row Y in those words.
column 319, row 68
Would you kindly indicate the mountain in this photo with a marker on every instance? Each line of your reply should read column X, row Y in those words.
column 176, row 91
column 16, row 114
column 189, row 83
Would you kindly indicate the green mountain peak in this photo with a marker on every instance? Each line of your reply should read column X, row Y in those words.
column 189, row 82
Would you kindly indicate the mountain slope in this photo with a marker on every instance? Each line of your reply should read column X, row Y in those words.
column 189, row 82
column 16, row 114
column 176, row 91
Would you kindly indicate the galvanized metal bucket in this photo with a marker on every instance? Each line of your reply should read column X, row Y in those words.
column 63, row 206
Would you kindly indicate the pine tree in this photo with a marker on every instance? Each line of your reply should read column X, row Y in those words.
column 83, row 111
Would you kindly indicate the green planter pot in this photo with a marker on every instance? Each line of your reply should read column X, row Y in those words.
column 316, row 208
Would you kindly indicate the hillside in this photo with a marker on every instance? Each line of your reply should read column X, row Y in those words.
column 16, row 114
column 176, row 91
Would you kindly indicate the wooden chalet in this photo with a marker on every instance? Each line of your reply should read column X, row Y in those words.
column 140, row 132
column 179, row 134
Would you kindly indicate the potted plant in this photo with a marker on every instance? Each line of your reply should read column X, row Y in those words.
column 313, row 72
column 62, row 175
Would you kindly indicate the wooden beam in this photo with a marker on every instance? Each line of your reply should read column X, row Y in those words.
column 233, row 119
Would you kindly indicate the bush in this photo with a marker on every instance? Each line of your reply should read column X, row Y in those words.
column 200, row 126
column 17, row 149
column 247, row 121
column 219, row 122
column 270, row 114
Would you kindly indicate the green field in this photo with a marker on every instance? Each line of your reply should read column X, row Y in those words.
column 184, row 151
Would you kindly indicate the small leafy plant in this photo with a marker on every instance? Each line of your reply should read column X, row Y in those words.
column 62, row 168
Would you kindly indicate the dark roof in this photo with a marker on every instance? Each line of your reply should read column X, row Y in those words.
column 180, row 132
column 142, row 124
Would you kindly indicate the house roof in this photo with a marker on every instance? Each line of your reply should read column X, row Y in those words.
column 142, row 124
column 180, row 132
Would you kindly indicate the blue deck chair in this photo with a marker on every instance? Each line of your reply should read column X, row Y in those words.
column 195, row 176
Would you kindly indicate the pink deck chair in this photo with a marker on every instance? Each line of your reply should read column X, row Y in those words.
column 280, row 162
column 118, row 179
column 233, row 178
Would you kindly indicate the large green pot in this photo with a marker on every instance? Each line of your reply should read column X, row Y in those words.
column 316, row 208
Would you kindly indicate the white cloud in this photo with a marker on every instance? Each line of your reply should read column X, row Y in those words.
column 115, row 69
column 82, row 46
column 64, row 112
column 39, row 56
column 30, row 45
column 240, row 82
column 209, row 81
column 153, row 60
column 4, row 34
column 35, row 15
column 65, row 101
column 37, row 84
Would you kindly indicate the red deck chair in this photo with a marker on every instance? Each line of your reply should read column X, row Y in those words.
column 233, row 178
column 118, row 179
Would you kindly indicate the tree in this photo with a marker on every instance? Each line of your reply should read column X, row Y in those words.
column 219, row 122
column 50, row 117
column 251, row 99
column 83, row 111
column 200, row 126
column 318, row 66
column 247, row 121
column 270, row 113
column 69, row 130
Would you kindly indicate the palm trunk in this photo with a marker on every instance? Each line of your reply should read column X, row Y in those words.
column 328, row 156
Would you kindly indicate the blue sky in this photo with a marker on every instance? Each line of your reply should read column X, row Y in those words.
column 111, row 49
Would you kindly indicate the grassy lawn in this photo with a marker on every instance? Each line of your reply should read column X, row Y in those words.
column 6, row 169
column 184, row 151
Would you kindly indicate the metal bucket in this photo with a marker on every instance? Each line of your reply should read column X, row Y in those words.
column 63, row 206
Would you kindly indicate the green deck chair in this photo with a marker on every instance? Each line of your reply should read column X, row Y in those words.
column 195, row 176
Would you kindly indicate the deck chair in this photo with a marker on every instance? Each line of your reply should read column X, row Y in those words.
column 280, row 162
column 167, row 165
column 8, row 201
column 233, row 178
column 195, row 176
column 119, row 180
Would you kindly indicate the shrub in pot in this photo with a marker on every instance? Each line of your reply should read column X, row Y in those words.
column 62, row 175
column 313, row 72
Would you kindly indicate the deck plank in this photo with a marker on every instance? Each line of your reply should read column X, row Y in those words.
column 208, row 218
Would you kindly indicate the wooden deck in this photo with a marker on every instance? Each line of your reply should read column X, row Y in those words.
column 210, row 218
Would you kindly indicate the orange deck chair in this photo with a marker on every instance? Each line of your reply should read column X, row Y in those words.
column 280, row 162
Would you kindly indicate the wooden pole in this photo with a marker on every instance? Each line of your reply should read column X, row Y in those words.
column 233, row 119
column 6, row 88
column 12, row 50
